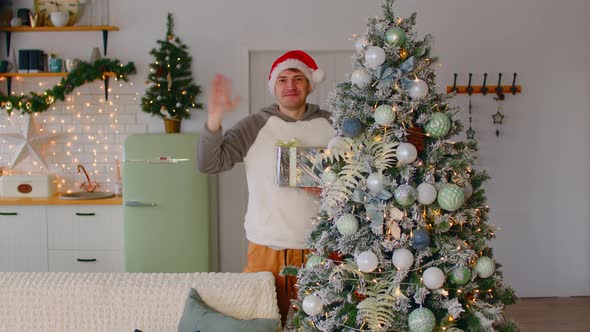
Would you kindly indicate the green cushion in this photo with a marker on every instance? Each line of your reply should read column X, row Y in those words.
column 199, row 317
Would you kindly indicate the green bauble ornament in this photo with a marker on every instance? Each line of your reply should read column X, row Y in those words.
column 485, row 267
column 395, row 36
column 405, row 195
column 347, row 224
column 461, row 276
column 450, row 197
column 438, row 126
column 314, row 261
column 384, row 115
column 421, row 320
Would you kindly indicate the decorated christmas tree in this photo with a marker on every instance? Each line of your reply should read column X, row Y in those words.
column 401, row 241
column 172, row 92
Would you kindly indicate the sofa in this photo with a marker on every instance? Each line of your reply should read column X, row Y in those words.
column 62, row 301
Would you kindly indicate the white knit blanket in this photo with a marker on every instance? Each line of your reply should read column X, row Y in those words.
column 48, row 301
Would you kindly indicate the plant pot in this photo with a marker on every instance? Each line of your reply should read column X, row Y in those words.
column 172, row 125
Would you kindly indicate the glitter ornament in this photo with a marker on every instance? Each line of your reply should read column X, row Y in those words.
column 433, row 278
column 338, row 143
column 405, row 195
column 374, row 57
column 360, row 78
column 375, row 182
column 438, row 126
column 417, row 89
column 178, row 104
column 395, row 36
column 314, row 261
column 360, row 43
column 367, row 261
column 450, row 197
column 347, row 224
column 312, row 305
column 421, row 320
column 426, row 193
column 406, row 153
column 351, row 127
column 384, row 115
column 461, row 276
column 485, row 267
column 403, row 259
column 420, row 239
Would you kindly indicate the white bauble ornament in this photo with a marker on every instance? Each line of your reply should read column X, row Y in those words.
column 406, row 153
column 421, row 320
column 360, row 78
column 374, row 57
column 384, row 115
column 418, row 89
column 347, row 224
column 312, row 305
column 367, row 261
column 433, row 278
column 375, row 182
column 467, row 190
column 403, row 259
column 360, row 43
column 329, row 176
column 485, row 267
column 426, row 193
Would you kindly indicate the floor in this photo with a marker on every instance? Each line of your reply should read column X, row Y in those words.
column 551, row 314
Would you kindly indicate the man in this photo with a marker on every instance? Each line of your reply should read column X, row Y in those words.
column 278, row 219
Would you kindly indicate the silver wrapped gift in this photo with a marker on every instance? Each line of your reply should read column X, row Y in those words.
column 298, row 166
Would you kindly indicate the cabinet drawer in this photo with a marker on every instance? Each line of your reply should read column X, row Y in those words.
column 85, row 261
column 84, row 227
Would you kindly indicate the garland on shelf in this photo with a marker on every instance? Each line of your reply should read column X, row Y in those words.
column 85, row 73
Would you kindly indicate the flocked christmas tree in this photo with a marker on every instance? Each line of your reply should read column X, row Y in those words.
column 172, row 92
column 400, row 243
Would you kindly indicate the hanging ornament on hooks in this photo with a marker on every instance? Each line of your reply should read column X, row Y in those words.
column 470, row 132
column 498, row 117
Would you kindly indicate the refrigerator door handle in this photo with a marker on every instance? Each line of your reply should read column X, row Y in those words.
column 136, row 203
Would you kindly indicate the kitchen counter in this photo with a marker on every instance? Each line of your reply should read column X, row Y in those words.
column 55, row 200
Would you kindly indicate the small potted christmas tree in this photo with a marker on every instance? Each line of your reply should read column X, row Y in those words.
column 171, row 93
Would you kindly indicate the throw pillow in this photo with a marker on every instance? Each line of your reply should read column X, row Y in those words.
column 199, row 317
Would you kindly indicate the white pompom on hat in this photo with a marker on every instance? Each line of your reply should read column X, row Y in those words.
column 295, row 60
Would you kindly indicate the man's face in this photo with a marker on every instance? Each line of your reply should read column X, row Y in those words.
column 291, row 89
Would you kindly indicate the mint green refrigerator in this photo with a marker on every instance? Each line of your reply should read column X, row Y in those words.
column 166, row 206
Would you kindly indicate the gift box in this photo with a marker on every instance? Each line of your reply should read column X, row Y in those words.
column 299, row 166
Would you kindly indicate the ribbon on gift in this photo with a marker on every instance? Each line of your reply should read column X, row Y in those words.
column 292, row 145
column 387, row 75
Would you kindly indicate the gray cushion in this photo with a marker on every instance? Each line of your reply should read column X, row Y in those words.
column 199, row 317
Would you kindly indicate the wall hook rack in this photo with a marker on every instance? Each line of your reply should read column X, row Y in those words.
column 499, row 90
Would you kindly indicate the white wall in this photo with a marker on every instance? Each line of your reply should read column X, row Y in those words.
column 540, row 186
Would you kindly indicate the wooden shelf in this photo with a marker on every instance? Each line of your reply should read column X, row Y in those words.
column 46, row 74
column 61, row 29
column 104, row 28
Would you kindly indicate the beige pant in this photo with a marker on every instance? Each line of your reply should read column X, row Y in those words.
column 263, row 258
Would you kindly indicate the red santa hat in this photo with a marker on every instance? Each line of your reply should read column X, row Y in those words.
column 297, row 60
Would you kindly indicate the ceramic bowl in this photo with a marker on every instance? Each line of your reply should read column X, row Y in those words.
column 59, row 19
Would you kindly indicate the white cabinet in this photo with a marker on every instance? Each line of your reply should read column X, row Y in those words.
column 23, row 239
column 61, row 238
column 85, row 238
